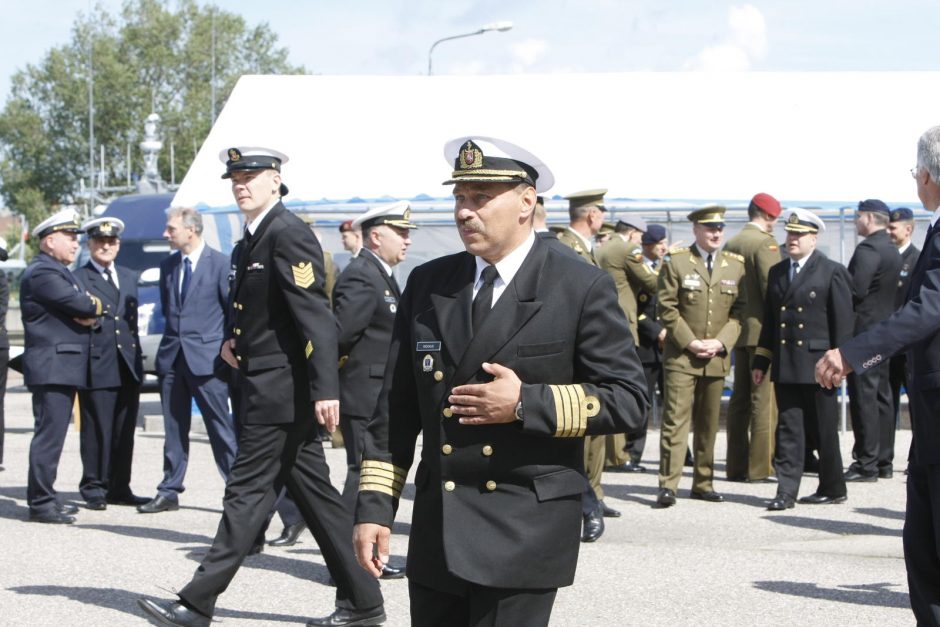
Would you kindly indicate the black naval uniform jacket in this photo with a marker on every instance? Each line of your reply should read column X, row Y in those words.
column 499, row 505
column 915, row 328
column 115, row 337
column 803, row 319
column 365, row 300
column 874, row 267
column 56, row 347
column 908, row 261
column 649, row 326
column 285, row 333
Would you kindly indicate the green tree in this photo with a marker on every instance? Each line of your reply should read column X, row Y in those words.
column 147, row 59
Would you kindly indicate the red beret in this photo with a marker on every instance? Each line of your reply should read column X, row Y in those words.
column 346, row 226
column 766, row 203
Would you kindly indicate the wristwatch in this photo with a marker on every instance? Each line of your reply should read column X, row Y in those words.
column 519, row 413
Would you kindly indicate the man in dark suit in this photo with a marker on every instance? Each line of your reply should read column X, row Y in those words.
column 110, row 403
column 194, row 294
column 874, row 268
column 283, row 344
column 807, row 311
column 365, row 301
column 914, row 329
column 57, row 315
column 500, row 479
column 4, row 341
column 900, row 230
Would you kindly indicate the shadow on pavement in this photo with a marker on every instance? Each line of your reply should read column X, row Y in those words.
column 840, row 527
column 880, row 512
column 875, row 594
column 151, row 533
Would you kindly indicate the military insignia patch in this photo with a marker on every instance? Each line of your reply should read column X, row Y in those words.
column 427, row 364
column 308, row 349
column 471, row 157
column 303, row 274
column 234, row 154
column 106, row 228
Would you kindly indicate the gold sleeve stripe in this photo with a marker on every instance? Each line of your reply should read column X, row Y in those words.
column 572, row 410
column 382, row 477
column 763, row 352
column 308, row 349
column 97, row 302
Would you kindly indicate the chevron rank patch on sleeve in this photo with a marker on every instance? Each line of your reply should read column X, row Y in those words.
column 303, row 274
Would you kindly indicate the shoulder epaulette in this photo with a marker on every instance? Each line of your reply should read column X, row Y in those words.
column 733, row 256
column 679, row 251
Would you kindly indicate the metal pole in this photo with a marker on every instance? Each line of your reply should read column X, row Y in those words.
column 434, row 45
column 91, row 116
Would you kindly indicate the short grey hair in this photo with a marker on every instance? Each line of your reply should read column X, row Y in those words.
column 188, row 216
column 928, row 152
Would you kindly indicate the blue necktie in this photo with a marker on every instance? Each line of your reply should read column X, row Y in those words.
column 187, row 276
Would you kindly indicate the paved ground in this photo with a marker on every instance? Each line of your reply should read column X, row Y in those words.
column 694, row 564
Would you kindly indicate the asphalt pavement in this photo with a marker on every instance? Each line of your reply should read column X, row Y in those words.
column 697, row 563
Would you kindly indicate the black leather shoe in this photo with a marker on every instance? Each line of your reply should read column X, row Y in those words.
column 289, row 536
column 159, row 504
column 853, row 475
column 885, row 473
column 168, row 613
column 781, row 502
column 822, row 499
column 593, row 526
column 67, row 509
column 51, row 517
column 711, row 497
column 127, row 499
column 348, row 618
column 737, row 479
column 96, row 503
column 390, row 572
column 630, row 466
column 609, row 512
column 666, row 497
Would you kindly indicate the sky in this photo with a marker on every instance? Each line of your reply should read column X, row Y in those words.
column 548, row 36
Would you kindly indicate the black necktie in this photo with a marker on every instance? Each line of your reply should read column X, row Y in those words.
column 708, row 262
column 484, row 300
column 187, row 276
column 247, row 236
column 109, row 278
column 794, row 270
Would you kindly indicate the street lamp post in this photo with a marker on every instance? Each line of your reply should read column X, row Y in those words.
column 495, row 26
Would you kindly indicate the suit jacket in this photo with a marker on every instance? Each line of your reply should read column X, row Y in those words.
column 285, row 333
column 197, row 326
column 908, row 261
column 624, row 262
column 56, row 347
column 761, row 253
column 364, row 302
column 572, row 241
column 874, row 267
column 803, row 319
column 114, row 340
column 493, row 500
column 694, row 305
column 915, row 328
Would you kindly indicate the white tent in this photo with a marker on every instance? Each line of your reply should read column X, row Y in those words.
column 800, row 136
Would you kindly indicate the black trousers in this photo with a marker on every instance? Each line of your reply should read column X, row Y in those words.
column 872, row 420
column 802, row 407
column 654, row 381
column 109, row 419
column 922, row 541
column 52, row 411
column 354, row 437
column 270, row 457
column 4, row 361
column 480, row 607
column 898, row 378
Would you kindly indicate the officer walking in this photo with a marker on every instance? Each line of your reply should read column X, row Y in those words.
column 283, row 344
column 808, row 310
column 496, row 511
column 110, row 403
column 752, row 413
column 874, row 268
column 57, row 317
column 700, row 302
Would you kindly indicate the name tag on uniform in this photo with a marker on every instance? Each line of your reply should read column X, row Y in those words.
column 255, row 267
column 691, row 281
column 729, row 282
column 428, row 346
column 389, row 299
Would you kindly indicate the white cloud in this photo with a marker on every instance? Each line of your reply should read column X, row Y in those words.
column 741, row 47
column 527, row 52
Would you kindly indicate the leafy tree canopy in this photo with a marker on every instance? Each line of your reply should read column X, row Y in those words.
column 147, row 59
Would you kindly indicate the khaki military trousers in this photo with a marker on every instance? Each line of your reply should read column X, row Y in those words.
column 594, row 449
column 752, row 422
column 691, row 401
column 616, row 449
